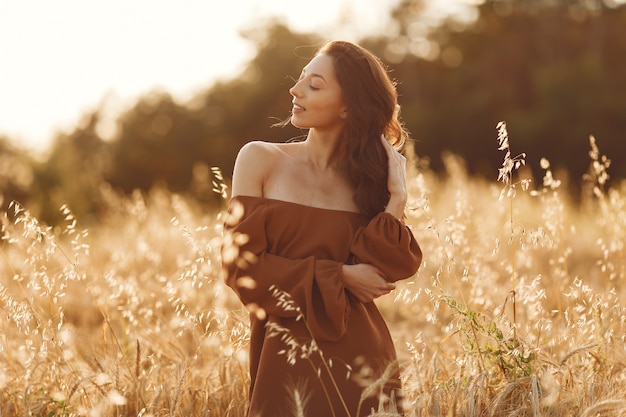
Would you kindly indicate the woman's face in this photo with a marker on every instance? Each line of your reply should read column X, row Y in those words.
column 317, row 97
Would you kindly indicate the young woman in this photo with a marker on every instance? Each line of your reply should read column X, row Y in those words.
column 315, row 233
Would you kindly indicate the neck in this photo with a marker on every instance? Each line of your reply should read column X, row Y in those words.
column 320, row 148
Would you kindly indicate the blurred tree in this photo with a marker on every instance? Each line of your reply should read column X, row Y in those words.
column 553, row 70
column 158, row 142
column 16, row 174
column 72, row 173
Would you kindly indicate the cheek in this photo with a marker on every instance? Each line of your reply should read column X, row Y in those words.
column 331, row 108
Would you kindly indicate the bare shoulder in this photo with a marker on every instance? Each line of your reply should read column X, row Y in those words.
column 253, row 165
column 258, row 155
column 259, row 147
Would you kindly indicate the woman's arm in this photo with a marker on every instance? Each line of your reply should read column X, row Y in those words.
column 386, row 245
column 313, row 285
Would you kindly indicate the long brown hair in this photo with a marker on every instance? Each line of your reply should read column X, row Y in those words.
column 372, row 102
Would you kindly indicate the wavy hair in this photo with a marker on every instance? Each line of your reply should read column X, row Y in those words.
column 372, row 101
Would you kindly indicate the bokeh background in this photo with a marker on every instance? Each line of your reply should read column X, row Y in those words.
column 136, row 95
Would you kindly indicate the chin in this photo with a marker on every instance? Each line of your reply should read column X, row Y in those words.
column 294, row 122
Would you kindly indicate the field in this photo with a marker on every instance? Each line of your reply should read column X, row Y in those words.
column 517, row 310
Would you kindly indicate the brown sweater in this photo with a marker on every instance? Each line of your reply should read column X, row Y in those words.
column 284, row 260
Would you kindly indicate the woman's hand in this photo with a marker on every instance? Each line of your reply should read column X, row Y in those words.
column 365, row 282
column 396, row 182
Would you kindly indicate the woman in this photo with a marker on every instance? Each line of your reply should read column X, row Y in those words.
column 315, row 234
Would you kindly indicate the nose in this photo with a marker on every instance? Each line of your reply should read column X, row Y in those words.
column 295, row 90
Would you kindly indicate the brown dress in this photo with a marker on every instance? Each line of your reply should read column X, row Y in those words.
column 284, row 260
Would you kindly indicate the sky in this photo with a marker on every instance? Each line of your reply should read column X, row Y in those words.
column 61, row 59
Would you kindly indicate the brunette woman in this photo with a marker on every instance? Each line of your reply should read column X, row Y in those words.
column 315, row 234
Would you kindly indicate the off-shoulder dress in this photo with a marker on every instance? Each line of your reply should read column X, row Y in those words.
column 284, row 260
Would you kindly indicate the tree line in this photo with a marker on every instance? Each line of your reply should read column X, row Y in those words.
column 553, row 70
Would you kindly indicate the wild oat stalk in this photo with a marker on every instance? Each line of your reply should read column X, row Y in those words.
column 505, row 175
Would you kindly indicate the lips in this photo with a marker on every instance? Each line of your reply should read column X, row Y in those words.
column 298, row 108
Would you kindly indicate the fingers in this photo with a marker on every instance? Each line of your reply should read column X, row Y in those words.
column 392, row 153
column 387, row 145
column 396, row 179
column 383, row 289
column 386, row 289
column 366, row 282
column 371, row 296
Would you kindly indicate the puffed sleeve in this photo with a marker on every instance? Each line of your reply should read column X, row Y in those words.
column 388, row 244
column 314, row 285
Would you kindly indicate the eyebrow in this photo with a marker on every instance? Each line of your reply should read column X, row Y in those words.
column 314, row 74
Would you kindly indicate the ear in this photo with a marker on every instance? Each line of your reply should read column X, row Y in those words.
column 344, row 112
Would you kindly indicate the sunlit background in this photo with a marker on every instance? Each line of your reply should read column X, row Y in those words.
column 120, row 121
column 61, row 58
column 139, row 94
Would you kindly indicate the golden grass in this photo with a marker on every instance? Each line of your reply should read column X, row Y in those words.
column 517, row 310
